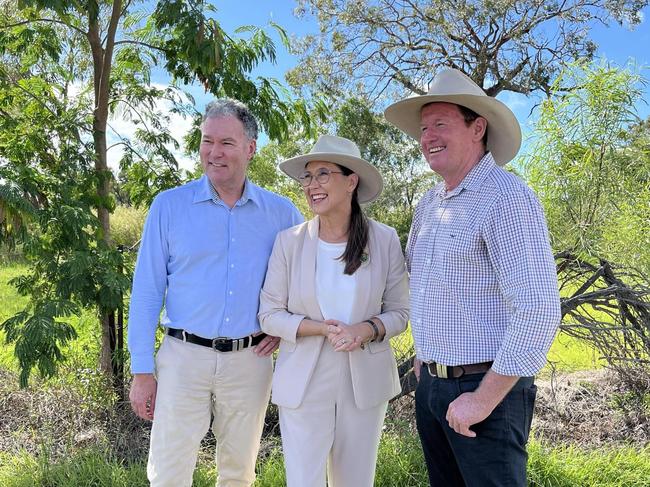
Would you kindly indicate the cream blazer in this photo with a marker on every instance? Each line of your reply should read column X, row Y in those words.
column 289, row 295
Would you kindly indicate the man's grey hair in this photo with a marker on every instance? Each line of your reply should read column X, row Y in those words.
column 223, row 107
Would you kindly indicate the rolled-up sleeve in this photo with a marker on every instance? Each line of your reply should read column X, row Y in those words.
column 516, row 238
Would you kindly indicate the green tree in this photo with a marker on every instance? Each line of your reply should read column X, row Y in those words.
column 627, row 239
column 66, row 68
column 590, row 165
column 265, row 172
column 387, row 47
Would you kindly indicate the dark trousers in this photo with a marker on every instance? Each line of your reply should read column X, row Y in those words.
column 496, row 456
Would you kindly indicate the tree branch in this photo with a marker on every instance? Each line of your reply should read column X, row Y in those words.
column 53, row 21
column 140, row 43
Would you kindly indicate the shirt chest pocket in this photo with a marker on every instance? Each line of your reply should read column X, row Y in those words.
column 459, row 254
column 462, row 247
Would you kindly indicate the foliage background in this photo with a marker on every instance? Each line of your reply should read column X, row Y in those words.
column 64, row 216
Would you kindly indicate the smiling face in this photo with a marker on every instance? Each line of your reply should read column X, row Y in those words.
column 334, row 196
column 225, row 151
column 449, row 144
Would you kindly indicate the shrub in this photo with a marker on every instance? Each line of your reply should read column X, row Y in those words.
column 126, row 225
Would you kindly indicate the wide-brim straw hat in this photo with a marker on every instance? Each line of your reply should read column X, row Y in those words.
column 453, row 86
column 344, row 152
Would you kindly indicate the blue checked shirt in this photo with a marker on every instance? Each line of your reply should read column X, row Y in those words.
column 482, row 275
column 205, row 261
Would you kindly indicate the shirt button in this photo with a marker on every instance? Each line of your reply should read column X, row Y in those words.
column 230, row 292
column 232, row 239
column 428, row 261
column 227, row 320
column 232, row 265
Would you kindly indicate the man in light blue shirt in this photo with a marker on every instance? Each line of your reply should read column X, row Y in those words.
column 203, row 259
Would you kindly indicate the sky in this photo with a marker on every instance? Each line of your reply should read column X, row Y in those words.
column 616, row 44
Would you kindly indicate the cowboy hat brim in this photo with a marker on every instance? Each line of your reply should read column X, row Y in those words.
column 504, row 133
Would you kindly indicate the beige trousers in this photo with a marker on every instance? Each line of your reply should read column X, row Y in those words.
column 328, row 432
column 194, row 381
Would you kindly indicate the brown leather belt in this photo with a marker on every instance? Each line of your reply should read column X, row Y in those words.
column 456, row 371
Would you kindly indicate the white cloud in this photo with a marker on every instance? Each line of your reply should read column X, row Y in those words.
column 523, row 107
column 179, row 126
column 515, row 101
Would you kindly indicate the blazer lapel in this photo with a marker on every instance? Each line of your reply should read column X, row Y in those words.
column 308, row 270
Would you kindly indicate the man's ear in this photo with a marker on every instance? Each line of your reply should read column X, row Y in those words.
column 252, row 147
column 480, row 127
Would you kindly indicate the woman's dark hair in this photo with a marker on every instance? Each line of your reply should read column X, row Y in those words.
column 357, row 233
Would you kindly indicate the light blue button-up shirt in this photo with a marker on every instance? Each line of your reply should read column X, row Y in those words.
column 205, row 261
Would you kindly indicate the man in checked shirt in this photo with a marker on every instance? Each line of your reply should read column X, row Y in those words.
column 484, row 296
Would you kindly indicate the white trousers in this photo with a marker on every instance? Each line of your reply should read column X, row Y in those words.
column 327, row 432
column 193, row 382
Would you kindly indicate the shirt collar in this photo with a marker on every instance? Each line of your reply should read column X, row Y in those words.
column 251, row 192
column 205, row 191
column 473, row 180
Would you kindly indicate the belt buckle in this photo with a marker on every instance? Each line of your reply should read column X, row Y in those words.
column 220, row 341
column 441, row 371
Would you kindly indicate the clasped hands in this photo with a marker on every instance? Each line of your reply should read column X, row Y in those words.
column 346, row 338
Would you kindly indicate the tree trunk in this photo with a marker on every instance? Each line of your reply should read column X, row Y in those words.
column 102, row 63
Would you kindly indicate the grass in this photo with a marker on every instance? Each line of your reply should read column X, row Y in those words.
column 87, row 468
column 82, row 352
column 400, row 464
column 12, row 302
column 569, row 467
column 569, row 354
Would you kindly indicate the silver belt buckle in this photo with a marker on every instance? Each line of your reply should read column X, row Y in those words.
column 218, row 341
column 441, row 371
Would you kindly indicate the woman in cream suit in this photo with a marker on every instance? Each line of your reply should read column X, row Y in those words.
column 335, row 292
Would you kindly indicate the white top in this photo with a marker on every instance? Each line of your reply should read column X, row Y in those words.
column 334, row 290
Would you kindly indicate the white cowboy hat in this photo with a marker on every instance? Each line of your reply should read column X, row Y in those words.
column 453, row 86
column 344, row 152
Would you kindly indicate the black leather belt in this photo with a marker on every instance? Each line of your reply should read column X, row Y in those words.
column 218, row 344
column 456, row 371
